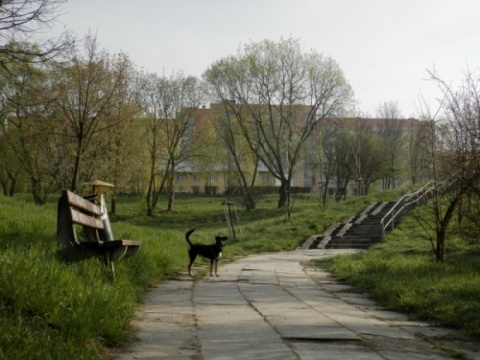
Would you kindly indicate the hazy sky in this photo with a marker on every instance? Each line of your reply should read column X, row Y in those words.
column 383, row 46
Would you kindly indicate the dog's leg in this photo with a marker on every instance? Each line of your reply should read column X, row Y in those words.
column 216, row 267
column 211, row 267
column 192, row 255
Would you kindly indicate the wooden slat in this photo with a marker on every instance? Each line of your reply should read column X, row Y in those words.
column 81, row 203
column 83, row 219
column 115, row 243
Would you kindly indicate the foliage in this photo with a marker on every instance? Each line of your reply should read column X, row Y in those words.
column 89, row 90
column 170, row 105
column 276, row 95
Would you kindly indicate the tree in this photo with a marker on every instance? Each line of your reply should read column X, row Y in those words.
column 455, row 153
column 117, row 156
column 279, row 95
column 170, row 106
column 243, row 163
column 418, row 143
column 343, row 164
column 19, row 21
column 391, row 134
column 367, row 154
column 28, row 130
column 88, row 89
column 327, row 159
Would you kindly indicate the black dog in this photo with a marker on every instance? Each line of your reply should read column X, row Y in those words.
column 212, row 251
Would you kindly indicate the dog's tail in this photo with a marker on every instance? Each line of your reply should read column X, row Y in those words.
column 187, row 236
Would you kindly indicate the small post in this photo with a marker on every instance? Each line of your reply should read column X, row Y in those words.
column 229, row 218
column 97, row 190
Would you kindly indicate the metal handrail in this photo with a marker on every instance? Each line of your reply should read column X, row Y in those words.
column 417, row 195
column 401, row 201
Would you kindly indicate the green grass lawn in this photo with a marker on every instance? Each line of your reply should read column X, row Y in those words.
column 49, row 309
column 402, row 274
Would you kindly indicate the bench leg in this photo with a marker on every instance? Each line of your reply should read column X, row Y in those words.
column 112, row 268
column 109, row 263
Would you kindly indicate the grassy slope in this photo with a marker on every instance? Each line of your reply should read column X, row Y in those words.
column 402, row 274
column 49, row 309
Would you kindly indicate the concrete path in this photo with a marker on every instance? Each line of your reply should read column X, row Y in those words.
column 272, row 307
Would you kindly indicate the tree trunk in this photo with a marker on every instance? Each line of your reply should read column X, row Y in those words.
column 284, row 193
column 113, row 205
column 170, row 180
column 13, row 181
column 325, row 192
column 171, row 199
column 76, row 169
column 150, row 190
column 4, row 188
column 443, row 226
column 38, row 193
column 250, row 202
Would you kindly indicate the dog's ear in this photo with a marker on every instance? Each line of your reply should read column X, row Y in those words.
column 221, row 238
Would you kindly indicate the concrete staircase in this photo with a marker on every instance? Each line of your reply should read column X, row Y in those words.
column 357, row 232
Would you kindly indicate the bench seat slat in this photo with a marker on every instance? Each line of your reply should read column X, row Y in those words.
column 111, row 244
column 115, row 243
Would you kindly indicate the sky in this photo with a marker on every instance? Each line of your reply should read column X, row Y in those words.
column 384, row 47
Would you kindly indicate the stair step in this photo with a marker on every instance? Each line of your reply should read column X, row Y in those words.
column 356, row 232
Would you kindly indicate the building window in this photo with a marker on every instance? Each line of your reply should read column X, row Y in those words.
column 180, row 178
column 197, row 178
column 266, row 178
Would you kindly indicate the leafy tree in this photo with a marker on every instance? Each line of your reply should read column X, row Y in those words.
column 417, row 152
column 88, row 89
column 170, row 107
column 392, row 137
column 367, row 154
column 343, row 164
column 27, row 129
column 278, row 94
column 242, row 162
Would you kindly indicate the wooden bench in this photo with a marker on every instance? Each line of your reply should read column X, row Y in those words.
column 76, row 213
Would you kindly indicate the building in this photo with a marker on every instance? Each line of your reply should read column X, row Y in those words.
column 216, row 175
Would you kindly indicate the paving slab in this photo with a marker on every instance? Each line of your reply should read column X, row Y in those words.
column 272, row 306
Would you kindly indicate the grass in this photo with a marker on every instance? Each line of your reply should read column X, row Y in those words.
column 49, row 309
column 402, row 274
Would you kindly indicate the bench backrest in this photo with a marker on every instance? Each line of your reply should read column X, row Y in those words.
column 75, row 210
column 83, row 212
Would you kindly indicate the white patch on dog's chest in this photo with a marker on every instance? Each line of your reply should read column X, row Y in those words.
column 219, row 255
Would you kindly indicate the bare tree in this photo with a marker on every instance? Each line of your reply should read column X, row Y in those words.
column 24, row 20
column 455, row 153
